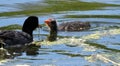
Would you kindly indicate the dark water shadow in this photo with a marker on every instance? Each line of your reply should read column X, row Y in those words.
column 12, row 52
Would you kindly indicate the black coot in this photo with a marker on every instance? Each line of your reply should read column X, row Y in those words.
column 10, row 38
column 69, row 26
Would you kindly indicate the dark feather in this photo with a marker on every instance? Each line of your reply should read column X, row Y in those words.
column 15, row 37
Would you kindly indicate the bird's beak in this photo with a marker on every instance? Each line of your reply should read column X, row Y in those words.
column 47, row 22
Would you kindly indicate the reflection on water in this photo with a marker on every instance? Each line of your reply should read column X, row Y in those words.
column 73, row 50
column 111, row 11
column 4, row 2
column 7, row 9
column 99, row 46
column 13, row 51
column 94, row 58
column 9, row 5
column 62, row 51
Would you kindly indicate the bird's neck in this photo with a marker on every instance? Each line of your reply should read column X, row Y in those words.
column 52, row 36
column 53, row 33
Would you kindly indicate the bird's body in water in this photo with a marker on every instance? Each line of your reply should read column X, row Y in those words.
column 74, row 26
column 11, row 38
column 15, row 37
column 69, row 26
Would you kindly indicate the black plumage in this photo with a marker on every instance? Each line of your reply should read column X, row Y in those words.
column 68, row 26
column 9, row 38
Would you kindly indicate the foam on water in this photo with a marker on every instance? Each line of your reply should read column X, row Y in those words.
column 102, row 57
column 80, row 42
column 99, row 34
column 95, row 35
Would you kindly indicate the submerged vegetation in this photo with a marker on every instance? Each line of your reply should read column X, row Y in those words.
column 75, row 46
column 11, row 27
column 92, row 16
column 14, row 27
column 101, row 46
column 51, row 6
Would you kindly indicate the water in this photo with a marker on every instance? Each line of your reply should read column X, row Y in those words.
column 104, row 1
column 9, row 5
column 99, row 46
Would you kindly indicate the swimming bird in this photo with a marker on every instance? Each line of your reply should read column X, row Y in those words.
column 53, row 29
column 10, row 38
column 69, row 26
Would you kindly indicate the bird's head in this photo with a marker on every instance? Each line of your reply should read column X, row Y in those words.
column 51, row 23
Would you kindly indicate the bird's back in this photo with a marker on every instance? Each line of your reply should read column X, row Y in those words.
column 15, row 37
column 74, row 26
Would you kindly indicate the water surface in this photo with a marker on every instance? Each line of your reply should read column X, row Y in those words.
column 98, row 46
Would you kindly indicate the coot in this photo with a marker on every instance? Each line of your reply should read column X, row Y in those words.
column 69, row 26
column 10, row 38
column 53, row 29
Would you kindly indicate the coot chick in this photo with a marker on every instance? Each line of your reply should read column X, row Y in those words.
column 70, row 26
column 53, row 29
column 11, row 38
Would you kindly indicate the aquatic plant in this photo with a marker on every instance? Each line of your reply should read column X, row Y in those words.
column 11, row 27
column 54, row 6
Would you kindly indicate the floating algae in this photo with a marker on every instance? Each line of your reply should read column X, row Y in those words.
column 103, row 57
column 100, row 34
column 74, row 40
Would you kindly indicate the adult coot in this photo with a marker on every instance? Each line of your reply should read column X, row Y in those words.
column 11, row 38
